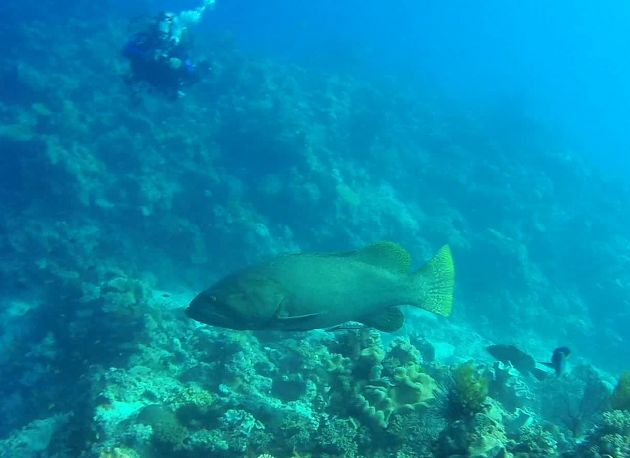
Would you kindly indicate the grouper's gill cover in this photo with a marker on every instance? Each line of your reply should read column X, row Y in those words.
column 310, row 291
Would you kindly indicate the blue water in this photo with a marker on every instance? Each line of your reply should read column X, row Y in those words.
column 563, row 63
column 498, row 128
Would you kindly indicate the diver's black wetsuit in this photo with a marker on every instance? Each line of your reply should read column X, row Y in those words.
column 150, row 55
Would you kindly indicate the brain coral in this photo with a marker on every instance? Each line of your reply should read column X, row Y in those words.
column 373, row 384
column 406, row 390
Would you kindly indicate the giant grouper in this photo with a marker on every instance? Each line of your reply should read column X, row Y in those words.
column 299, row 292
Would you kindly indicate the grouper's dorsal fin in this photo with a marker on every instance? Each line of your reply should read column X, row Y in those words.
column 388, row 255
column 389, row 320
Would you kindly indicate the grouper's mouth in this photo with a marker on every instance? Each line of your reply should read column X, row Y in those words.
column 192, row 312
column 205, row 309
column 200, row 311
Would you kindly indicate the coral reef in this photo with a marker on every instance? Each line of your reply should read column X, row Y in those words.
column 509, row 387
column 576, row 401
column 34, row 439
column 620, row 399
column 469, row 391
column 117, row 208
column 610, row 438
column 481, row 435
column 535, row 442
column 378, row 384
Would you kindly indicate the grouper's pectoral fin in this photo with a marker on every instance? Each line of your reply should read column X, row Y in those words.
column 297, row 318
column 389, row 320
column 296, row 322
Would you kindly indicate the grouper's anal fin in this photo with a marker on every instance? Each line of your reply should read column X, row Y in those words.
column 389, row 320
column 540, row 374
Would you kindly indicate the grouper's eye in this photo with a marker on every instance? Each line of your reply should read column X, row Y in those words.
column 212, row 298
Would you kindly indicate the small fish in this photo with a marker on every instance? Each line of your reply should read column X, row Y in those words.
column 525, row 363
column 518, row 359
column 301, row 292
column 558, row 360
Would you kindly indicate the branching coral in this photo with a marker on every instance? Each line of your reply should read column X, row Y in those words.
column 338, row 437
column 415, row 430
column 488, row 437
column 480, row 435
column 620, row 399
column 168, row 434
column 123, row 296
column 610, row 438
column 534, row 441
column 468, row 392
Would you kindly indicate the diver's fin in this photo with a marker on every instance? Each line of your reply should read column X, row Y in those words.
column 540, row 374
column 510, row 353
column 389, row 320
column 433, row 285
column 388, row 255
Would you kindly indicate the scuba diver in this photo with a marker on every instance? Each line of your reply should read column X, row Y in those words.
column 160, row 54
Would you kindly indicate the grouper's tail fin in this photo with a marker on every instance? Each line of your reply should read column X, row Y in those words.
column 434, row 283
